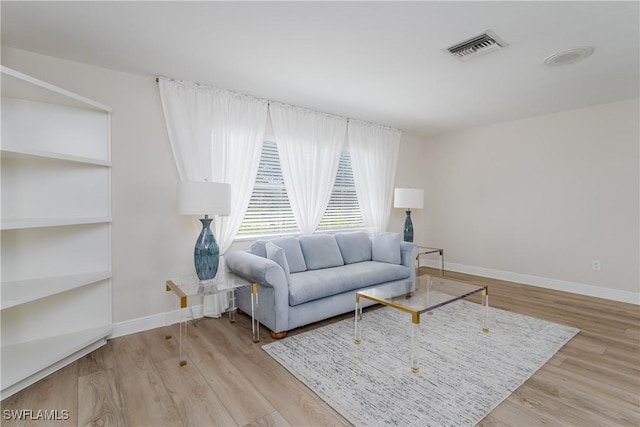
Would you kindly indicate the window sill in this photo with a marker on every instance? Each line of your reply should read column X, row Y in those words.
column 252, row 237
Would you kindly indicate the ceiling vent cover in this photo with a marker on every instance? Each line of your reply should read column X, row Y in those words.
column 476, row 46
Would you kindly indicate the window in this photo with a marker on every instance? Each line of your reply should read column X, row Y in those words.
column 269, row 210
column 343, row 210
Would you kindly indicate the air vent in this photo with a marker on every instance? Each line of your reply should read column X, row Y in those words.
column 476, row 46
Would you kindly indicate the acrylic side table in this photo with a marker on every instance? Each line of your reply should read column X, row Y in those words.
column 186, row 288
column 425, row 250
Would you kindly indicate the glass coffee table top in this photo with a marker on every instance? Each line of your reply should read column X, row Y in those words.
column 422, row 295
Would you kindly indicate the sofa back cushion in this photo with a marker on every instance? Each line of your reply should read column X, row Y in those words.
column 276, row 254
column 293, row 252
column 321, row 251
column 355, row 246
column 385, row 247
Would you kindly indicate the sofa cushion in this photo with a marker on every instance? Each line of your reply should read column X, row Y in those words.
column 355, row 246
column 258, row 248
column 385, row 247
column 293, row 252
column 276, row 253
column 320, row 251
column 313, row 284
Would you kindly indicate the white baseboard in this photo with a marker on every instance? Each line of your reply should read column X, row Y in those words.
column 542, row 282
column 154, row 321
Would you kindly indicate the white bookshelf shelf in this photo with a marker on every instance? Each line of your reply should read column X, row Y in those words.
column 18, row 153
column 29, row 358
column 55, row 228
column 22, row 86
column 22, row 223
column 23, row 291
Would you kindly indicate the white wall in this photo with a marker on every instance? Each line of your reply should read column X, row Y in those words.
column 537, row 200
column 150, row 241
column 410, row 173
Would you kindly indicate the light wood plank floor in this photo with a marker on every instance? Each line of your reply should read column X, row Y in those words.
column 136, row 380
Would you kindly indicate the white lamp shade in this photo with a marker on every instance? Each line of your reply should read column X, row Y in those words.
column 408, row 198
column 204, row 198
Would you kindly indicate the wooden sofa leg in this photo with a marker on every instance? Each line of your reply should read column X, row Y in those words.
column 278, row 335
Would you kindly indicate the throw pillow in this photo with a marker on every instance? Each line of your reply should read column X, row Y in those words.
column 276, row 254
column 355, row 246
column 293, row 252
column 385, row 247
column 258, row 248
column 321, row 251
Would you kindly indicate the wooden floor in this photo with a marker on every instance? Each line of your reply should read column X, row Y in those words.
column 136, row 380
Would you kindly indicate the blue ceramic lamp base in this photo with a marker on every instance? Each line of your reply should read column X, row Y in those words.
column 206, row 253
column 408, row 227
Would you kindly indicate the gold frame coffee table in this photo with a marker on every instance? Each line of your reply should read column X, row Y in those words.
column 422, row 295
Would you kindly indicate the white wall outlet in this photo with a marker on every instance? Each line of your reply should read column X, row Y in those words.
column 595, row 265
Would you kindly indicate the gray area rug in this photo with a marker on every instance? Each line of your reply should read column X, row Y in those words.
column 464, row 373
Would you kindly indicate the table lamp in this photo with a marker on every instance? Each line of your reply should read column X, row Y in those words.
column 205, row 198
column 408, row 198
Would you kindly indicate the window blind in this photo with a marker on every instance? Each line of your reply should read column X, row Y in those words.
column 269, row 210
column 343, row 210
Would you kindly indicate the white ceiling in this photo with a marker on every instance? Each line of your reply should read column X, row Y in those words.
column 377, row 61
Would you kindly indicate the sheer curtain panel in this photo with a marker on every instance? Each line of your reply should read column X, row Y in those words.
column 374, row 157
column 309, row 144
column 188, row 113
column 238, row 133
column 215, row 136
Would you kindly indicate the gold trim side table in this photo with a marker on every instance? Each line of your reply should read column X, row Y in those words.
column 425, row 250
column 186, row 288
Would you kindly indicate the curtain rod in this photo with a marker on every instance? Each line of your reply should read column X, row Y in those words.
column 281, row 103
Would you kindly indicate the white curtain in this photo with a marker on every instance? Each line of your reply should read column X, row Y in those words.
column 215, row 136
column 309, row 145
column 374, row 156
column 188, row 113
column 238, row 134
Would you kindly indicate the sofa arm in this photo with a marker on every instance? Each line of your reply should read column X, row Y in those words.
column 256, row 269
column 274, row 304
column 408, row 254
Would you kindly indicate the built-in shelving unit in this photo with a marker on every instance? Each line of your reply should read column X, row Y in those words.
column 55, row 277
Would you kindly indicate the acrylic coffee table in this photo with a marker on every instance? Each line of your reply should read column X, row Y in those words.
column 187, row 288
column 422, row 295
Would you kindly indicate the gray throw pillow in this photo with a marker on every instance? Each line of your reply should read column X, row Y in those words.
column 276, row 254
column 355, row 246
column 258, row 248
column 320, row 251
column 293, row 252
column 386, row 247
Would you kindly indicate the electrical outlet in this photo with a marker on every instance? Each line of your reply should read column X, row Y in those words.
column 595, row 265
